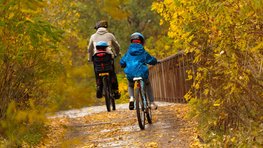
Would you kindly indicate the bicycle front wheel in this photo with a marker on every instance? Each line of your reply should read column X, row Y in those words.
column 140, row 108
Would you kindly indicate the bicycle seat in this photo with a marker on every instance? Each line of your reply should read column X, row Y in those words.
column 137, row 78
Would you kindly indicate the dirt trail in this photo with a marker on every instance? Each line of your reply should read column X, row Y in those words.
column 119, row 128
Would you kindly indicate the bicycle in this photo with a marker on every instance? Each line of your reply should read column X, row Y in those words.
column 107, row 91
column 142, row 105
column 103, row 65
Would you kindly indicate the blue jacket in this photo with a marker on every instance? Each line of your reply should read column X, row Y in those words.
column 135, row 62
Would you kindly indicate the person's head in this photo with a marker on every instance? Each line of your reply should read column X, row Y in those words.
column 101, row 45
column 137, row 38
column 101, row 23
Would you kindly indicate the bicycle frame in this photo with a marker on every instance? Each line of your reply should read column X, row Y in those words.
column 140, row 84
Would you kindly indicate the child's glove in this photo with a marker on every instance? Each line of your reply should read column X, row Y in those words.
column 123, row 66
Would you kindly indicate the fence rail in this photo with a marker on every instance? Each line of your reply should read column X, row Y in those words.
column 169, row 78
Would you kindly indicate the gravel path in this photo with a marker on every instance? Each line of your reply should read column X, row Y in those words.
column 94, row 127
column 95, row 109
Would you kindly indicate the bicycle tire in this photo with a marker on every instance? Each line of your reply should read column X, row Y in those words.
column 112, row 99
column 107, row 93
column 140, row 108
column 149, row 111
column 113, row 103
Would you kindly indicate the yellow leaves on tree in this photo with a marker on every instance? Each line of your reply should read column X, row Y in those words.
column 226, row 40
column 112, row 7
column 29, row 63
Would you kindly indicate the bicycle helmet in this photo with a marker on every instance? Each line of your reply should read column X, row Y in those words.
column 101, row 45
column 135, row 37
column 101, row 23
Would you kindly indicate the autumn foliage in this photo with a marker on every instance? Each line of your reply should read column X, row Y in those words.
column 226, row 40
column 43, row 58
column 29, row 63
column 44, row 66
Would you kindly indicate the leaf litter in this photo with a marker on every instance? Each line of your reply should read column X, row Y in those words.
column 119, row 128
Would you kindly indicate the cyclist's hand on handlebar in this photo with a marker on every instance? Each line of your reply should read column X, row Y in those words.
column 89, row 61
column 123, row 66
column 117, row 55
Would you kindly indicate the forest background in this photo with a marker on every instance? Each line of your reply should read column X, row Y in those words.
column 44, row 66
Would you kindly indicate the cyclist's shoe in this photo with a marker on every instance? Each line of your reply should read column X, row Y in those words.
column 131, row 105
column 99, row 92
column 153, row 106
column 117, row 94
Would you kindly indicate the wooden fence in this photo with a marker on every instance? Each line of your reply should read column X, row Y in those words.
column 169, row 78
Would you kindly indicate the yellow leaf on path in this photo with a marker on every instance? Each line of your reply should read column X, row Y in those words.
column 216, row 104
column 151, row 145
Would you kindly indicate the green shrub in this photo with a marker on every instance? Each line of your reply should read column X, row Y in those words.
column 25, row 126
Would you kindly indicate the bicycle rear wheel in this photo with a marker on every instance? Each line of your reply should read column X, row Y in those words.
column 140, row 108
column 113, row 103
column 107, row 93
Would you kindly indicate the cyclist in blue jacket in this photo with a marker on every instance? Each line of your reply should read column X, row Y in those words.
column 135, row 63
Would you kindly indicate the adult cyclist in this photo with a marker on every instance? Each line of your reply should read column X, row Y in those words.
column 102, row 34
